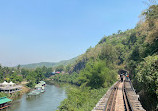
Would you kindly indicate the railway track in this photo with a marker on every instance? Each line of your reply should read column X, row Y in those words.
column 111, row 101
column 121, row 97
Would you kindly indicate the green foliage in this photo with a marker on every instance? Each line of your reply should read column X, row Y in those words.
column 19, row 74
column 60, row 68
column 40, row 75
column 3, row 94
column 97, row 74
column 11, row 96
column 109, row 53
column 147, row 74
column 1, row 74
column 37, row 75
column 70, row 78
column 48, row 72
column 15, row 78
column 31, row 84
column 67, row 68
column 151, row 23
column 24, row 72
column 102, row 40
column 81, row 99
column 151, row 13
column 147, row 79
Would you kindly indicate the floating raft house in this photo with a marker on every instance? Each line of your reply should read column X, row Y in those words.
column 39, row 88
column 4, row 102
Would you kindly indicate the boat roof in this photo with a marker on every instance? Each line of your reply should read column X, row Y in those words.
column 4, row 100
column 42, row 82
column 38, row 85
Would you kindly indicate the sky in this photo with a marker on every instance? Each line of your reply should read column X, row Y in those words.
column 33, row 31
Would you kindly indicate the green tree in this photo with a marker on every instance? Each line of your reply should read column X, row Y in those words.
column 109, row 53
column 18, row 69
column 151, row 16
column 147, row 79
column 40, row 75
column 119, row 31
column 48, row 72
column 24, row 72
column 60, row 68
column 97, row 74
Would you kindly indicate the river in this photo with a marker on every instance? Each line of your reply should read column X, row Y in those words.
column 47, row 101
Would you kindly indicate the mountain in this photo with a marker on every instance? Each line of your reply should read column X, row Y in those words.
column 49, row 64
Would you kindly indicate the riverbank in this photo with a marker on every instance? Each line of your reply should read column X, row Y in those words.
column 24, row 90
column 79, row 98
column 15, row 95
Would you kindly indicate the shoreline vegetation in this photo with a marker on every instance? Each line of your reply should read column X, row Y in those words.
column 79, row 98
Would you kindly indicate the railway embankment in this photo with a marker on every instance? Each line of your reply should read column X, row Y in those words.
column 120, row 97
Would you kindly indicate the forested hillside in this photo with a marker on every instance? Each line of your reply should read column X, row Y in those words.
column 49, row 64
column 135, row 50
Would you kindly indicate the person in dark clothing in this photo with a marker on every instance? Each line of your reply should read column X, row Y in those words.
column 121, row 77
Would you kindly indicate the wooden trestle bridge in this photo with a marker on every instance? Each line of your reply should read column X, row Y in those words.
column 120, row 97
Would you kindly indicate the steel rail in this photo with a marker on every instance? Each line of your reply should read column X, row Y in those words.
column 130, row 99
column 111, row 101
column 127, row 108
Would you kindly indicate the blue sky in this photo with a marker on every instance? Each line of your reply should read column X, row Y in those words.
column 34, row 31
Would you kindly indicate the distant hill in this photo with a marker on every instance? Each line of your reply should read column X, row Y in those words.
column 49, row 64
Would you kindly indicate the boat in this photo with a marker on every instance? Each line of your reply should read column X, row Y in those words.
column 34, row 93
column 42, row 91
column 39, row 88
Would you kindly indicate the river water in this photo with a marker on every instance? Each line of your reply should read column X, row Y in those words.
column 47, row 101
